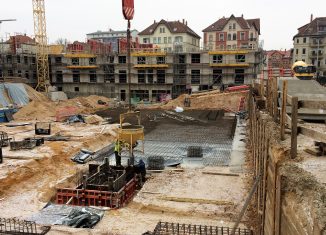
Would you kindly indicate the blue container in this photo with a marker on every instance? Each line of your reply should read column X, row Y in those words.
column 2, row 116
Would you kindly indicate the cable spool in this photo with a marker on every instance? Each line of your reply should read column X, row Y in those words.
column 155, row 163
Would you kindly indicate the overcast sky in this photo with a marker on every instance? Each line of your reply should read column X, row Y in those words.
column 73, row 19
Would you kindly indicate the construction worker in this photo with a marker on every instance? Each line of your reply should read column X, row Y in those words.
column 117, row 152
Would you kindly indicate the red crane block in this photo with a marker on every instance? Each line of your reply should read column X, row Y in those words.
column 128, row 9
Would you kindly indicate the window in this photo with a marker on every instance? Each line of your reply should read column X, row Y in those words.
column 141, row 60
column 322, row 28
column 92, row 76
column 195, row 58
column 221, row 37
column 251, row 36
column 195, row 76
column 76, row 88
column 25, row 60
column 170, row 40
column 60, row 88
column 18, row 59
column 229, row 37
column 217, row 59
column 122, row 76
column 10, row 73
column 141, row 76
column 297, row 51
column 234, row 36
column 242, row 36
column 162, row 30
column 160, row 76
column 75, row 76
column 58, row 60
column 240, row 58
column 92, row 61
column 150, row 76
column 297, row 40
column 154, row 40
column 230, row 26
column 26, row 74
column 1, row 73
column 165, row 40
column 19, row 73
column 234, row 25
column 34, row 75
column 304, row 40
column 179, row 39
column 9, row 59
column 146, row 40
column 217, row 76
column 33, row 60
column 59, row 76
column 210, row 38
column 303, row 51
column 109, row 77
column 160, row 60
column 181, row 59
column 239, row 76
column 75, row 61
column 159, row 40
column 110, row 59
column 122, row 59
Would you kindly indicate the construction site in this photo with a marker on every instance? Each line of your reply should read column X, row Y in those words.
column 147, row 141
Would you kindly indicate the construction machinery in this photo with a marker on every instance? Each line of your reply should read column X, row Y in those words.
column 130, row 131
column 42, row 56
column 303, row 71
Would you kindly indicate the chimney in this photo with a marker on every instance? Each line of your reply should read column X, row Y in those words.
column 186, row 22
column 242, row 15
column 183, row 21
column 311, row 18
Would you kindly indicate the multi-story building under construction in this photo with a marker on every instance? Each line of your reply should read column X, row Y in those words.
column 93, row 68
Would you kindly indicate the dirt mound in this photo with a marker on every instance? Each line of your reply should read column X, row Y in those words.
column 36, row 110
column 206, row 101
column 34, row 95
column 46, row 110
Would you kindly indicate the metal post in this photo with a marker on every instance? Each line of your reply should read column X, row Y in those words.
column 129, row 62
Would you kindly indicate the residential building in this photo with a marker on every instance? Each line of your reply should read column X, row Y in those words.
column 232, row 33
column 233, row 49
column 279, row 59
column 310, row 44
column 278, row 63
column 171, row 36
column 112, row 36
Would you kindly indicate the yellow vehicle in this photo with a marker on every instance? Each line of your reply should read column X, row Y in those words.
column 303, row 71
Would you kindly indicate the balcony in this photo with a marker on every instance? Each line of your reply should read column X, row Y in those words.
column 317, row 43
column 229, row 63
column 314, row 54
column 158, row 66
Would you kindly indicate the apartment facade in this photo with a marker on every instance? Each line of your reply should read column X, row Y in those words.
column 112, row 36
column 310, row 44
column 279, row 59
column 157, row 73
column 171, row 36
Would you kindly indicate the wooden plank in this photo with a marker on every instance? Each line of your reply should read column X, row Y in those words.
column 294, row 127
column 319, row 136
column 283, row 109
column 278, row 205
column 219, row 173
column 196, row 200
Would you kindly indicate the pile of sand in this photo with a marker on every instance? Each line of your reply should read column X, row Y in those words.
column 206, row 100
column 45, row 110
column 34, row 95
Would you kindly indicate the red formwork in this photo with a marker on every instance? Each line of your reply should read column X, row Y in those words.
column 82, row 197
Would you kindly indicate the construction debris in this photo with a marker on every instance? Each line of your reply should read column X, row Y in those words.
column 16, row 226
